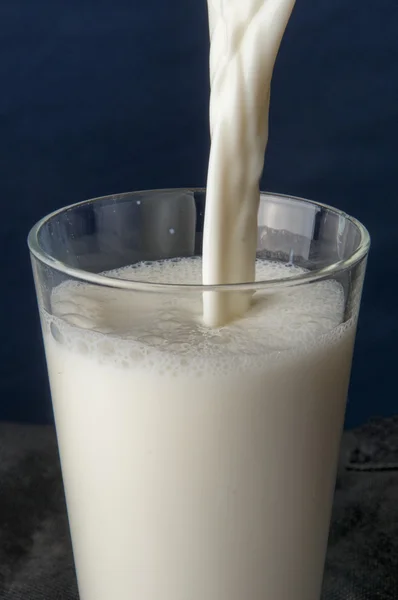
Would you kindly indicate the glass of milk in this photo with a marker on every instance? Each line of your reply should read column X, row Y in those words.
column 198, row 463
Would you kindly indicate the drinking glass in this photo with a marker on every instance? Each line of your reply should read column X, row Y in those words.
column 185, row 480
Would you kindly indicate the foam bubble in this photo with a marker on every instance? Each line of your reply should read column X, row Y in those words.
column 165, row 332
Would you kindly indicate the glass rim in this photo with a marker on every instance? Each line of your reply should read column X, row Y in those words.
column 128, row 284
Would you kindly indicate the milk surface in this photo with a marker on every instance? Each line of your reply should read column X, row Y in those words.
column 245, row 38
column 198, row 463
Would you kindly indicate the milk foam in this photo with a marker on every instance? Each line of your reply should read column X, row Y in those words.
column 165, row 331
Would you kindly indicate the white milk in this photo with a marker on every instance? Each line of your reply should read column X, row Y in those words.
column 245, row 37
column 198, row 464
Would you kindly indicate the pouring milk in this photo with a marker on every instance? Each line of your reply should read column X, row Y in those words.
column 245, row 36
column 199, row 461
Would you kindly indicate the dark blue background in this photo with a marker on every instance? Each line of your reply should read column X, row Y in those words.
column 100, row 97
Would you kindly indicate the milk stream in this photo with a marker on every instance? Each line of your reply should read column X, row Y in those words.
column 198, row 463
column 245, row 37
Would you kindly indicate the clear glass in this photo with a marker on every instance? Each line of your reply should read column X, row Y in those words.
column 197, row 464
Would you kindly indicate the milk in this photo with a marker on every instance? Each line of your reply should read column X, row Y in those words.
column 198, row 463
column 245, row 37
